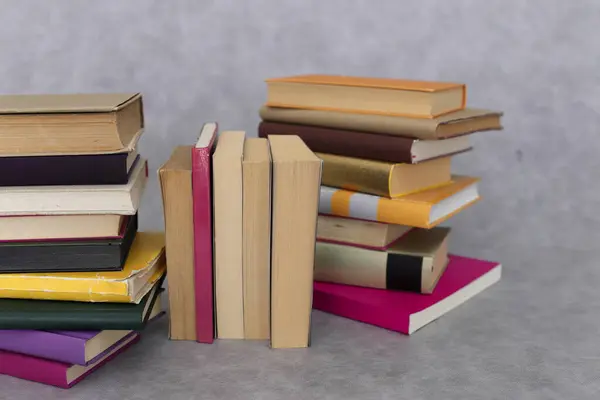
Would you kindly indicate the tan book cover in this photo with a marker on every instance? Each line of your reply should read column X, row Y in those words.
column 70, row 123
column 462, row 122
column 257, row 238
column 366, row 95
column 228, row 234
column 382, row 178
column 175, row 178
column 296, row 182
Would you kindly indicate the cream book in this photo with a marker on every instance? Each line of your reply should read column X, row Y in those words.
column 70, row 200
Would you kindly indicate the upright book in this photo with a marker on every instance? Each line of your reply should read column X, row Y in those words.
column 257, row 238
column 296, row 181
column 228, row 234
column 407, row 312
column 176, row 186
column 203, row 239
column 91, row 123
column 70, row 200
column 365, row 95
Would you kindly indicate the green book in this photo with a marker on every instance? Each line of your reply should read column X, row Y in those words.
column 71, row 315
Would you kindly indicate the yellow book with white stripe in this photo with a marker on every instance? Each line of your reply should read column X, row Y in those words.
column 144, row 266
column 424, row 209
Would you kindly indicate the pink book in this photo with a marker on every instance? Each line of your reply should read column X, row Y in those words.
column 203, row 240
column 55, row 373
column 406, row 312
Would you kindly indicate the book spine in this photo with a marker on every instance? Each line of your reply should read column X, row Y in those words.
column 357, row 174
column 345, row 142
column 203, row 243
column 404, row 272
column 33, row 369
column 48, row 345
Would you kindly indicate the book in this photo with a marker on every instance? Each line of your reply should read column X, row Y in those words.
column 295, row 198
column 383, row 178
column 144, row 266
column 256, row 169
column 54, row 227
column 407, row 312
column 228, row 234
column 413, row 263
column 69, row 255
column 176, row 186
column 72, row 169
column 394, row 149
column 364, row 95
column 55, row 373
column 420, row 210
column 33, row 124
column 76, row 316
column 356, row 232
column 82, row 199
column 203, row 231
column 468, row 120
column 81, row 347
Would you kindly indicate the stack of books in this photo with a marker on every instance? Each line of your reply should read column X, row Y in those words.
column 261, row 197
column 77, row 280
column 386, row 147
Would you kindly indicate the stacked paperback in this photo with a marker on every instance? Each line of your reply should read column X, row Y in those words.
column 77, row 280
column 386, row 146
column 240, row 221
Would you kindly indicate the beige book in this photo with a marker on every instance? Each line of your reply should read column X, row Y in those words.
column 176, row 185
column 461, row 122
column 228, row 234
column 357, row 232
column 384, row 178
column 296, row 182
column 257, row 238
column 414, row 263
column 70, row 123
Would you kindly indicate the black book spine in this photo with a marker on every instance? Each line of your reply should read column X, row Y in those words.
column 404, row 272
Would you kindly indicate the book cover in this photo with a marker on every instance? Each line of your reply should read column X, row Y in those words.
column 75, row 316
column 424, row 209
column 55, row 373
column 144, row 266
column 351, row 143
column 406, row 312
column 74, row 255
column 203, row 232
column 468, row 120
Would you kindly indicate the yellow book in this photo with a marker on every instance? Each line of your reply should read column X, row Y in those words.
column 145, row 264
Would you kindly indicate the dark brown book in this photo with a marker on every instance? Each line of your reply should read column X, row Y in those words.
column 366, row 145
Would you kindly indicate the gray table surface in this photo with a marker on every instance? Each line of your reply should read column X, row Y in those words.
column 533, row 335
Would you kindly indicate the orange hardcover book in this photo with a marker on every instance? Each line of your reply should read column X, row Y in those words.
column 424, row 209
column 360, row 95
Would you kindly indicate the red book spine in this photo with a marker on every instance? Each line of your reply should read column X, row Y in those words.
column 203, row 242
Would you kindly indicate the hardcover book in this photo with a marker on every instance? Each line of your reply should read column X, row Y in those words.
column 144, row 266
column 33, row 124
column 69, row 255
column 203, row 231
column 176, row 185
column 55, row 373
column 420, row 210
column 295, row 188
column 74, row 169
column 81, row 347
column 413, row 263
column 457, row 123
column 74, row 315
column 364, row 95
column 393, row 149
column 406, row 312
column 69, row 200
column 383, row 178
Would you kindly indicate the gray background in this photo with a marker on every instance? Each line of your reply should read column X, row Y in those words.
column 534, row 335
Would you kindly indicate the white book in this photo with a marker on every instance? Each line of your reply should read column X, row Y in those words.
column 80, row 199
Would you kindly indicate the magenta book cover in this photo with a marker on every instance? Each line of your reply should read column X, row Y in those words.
column 406, row 312
column 51, row 372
